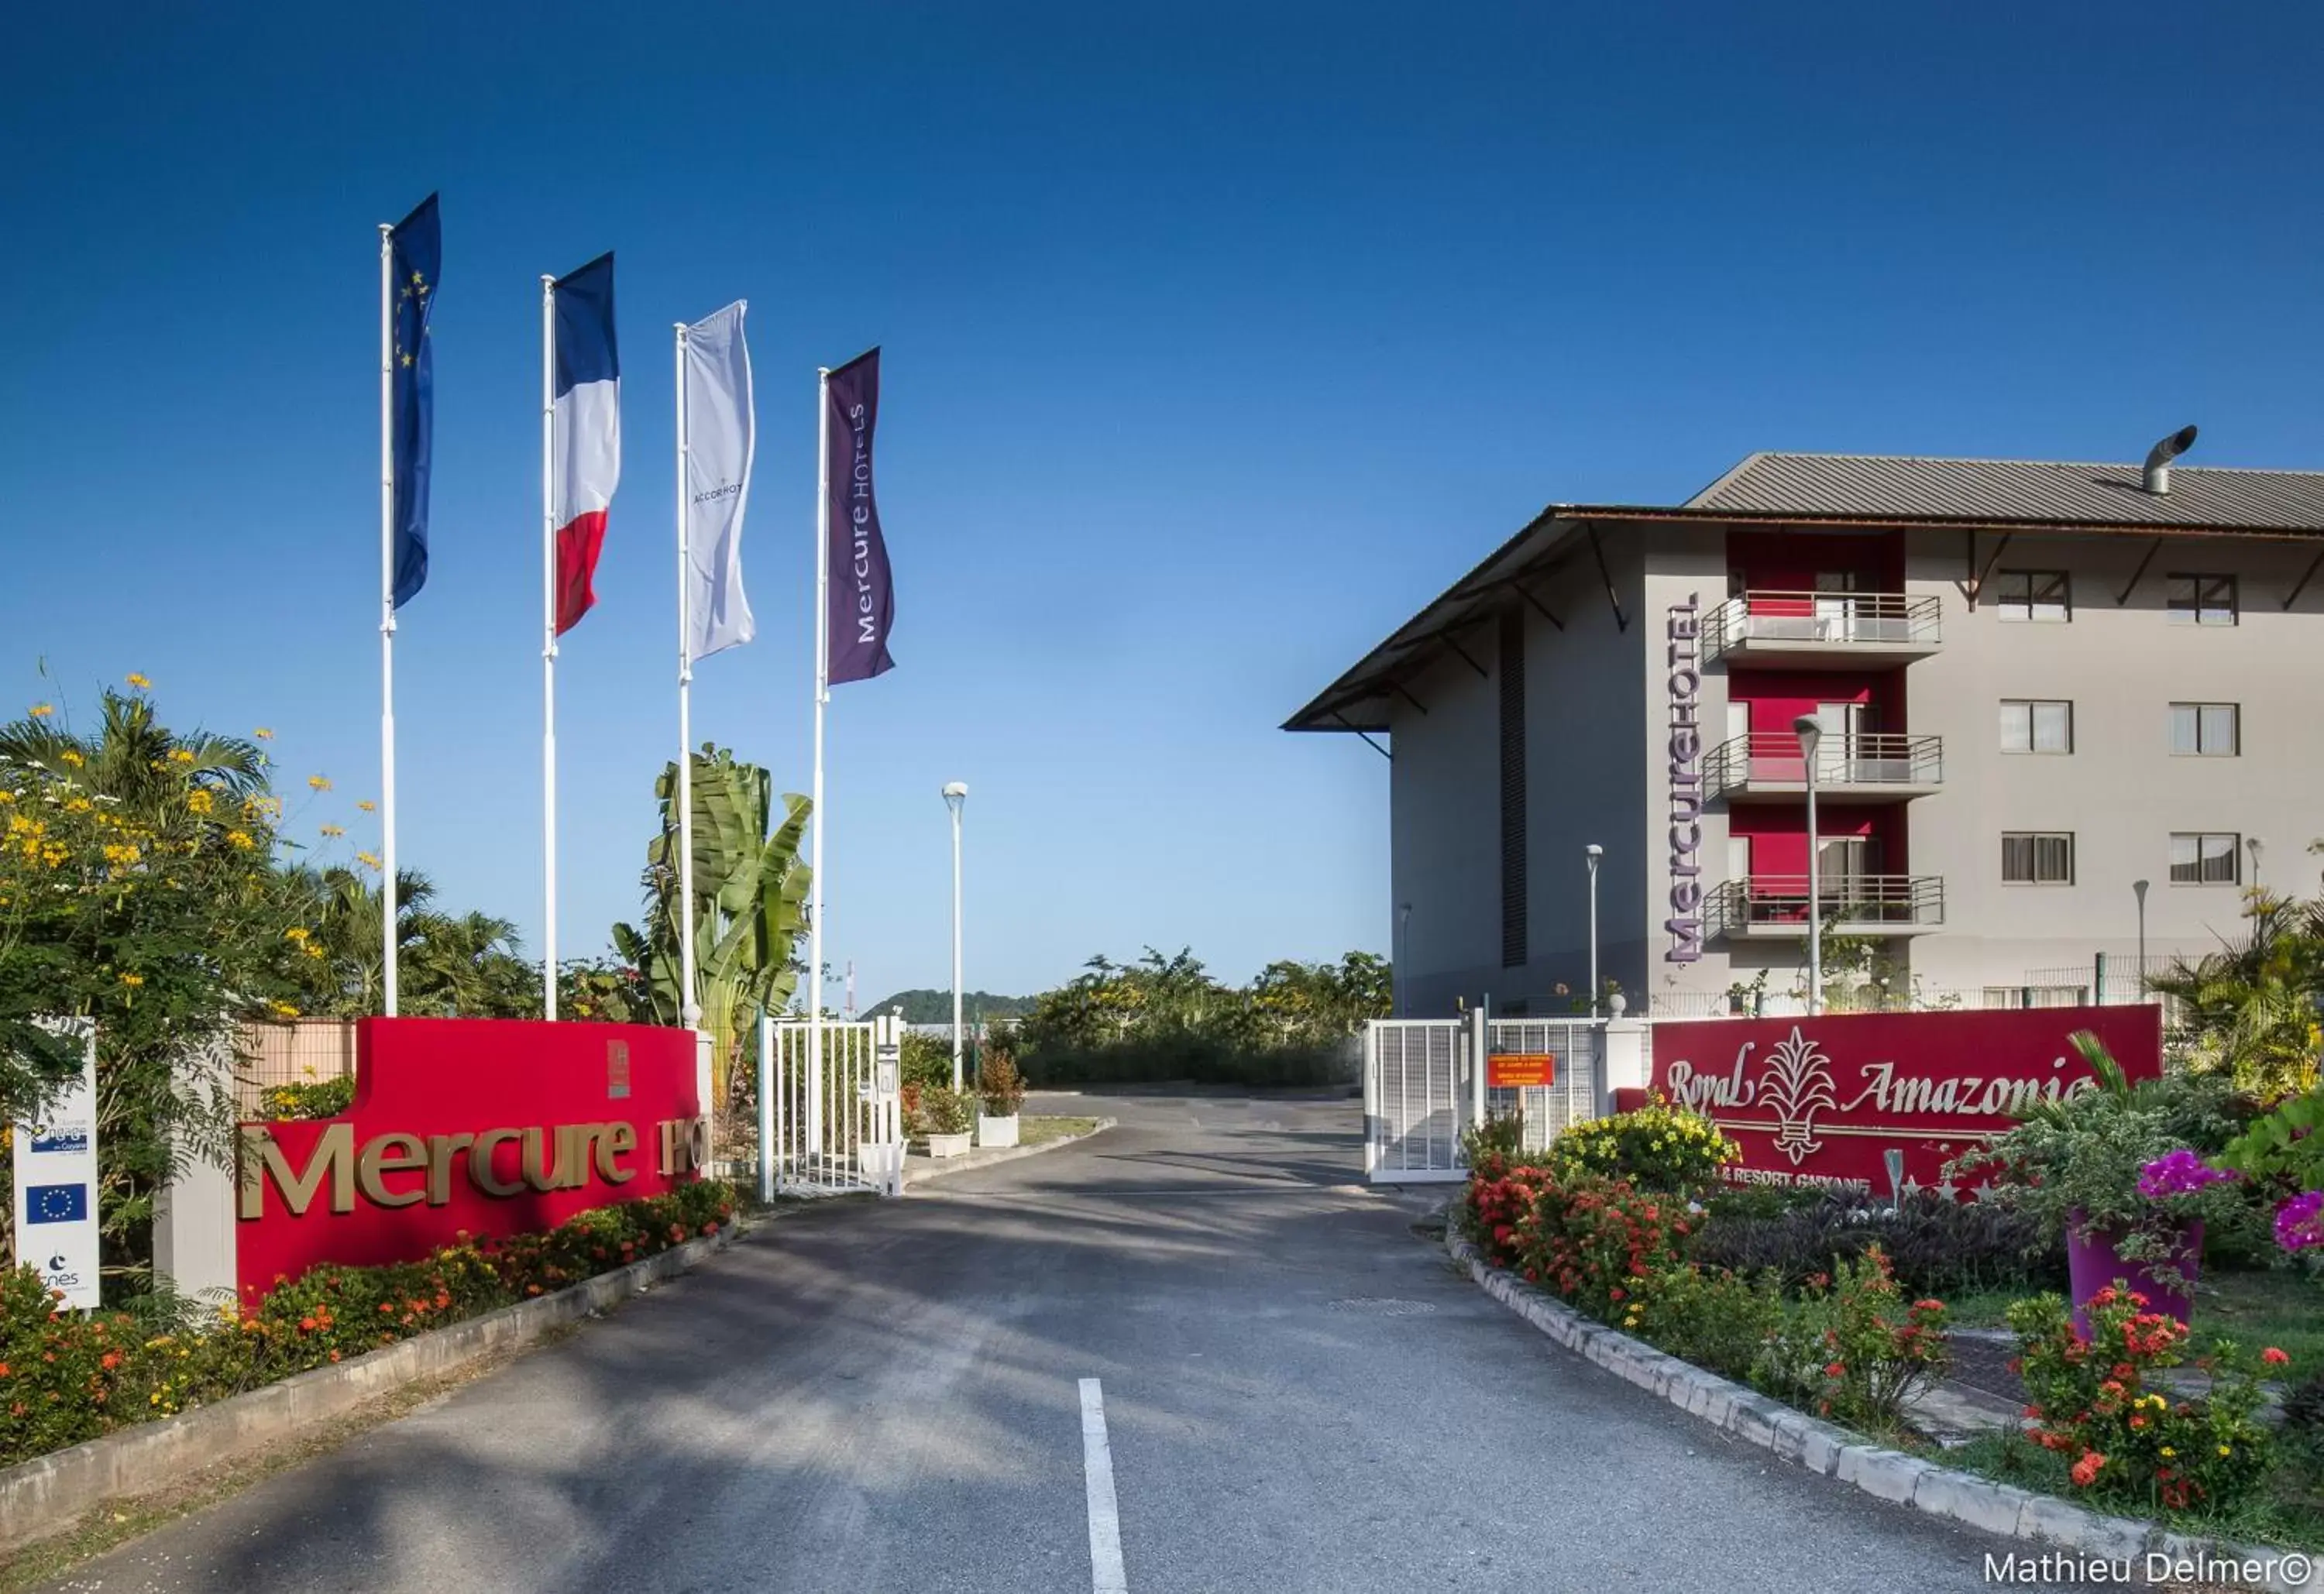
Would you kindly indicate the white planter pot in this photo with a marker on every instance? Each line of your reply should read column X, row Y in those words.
column 942, row 1146
column 996, row 1131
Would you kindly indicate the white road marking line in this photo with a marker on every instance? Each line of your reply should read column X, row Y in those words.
column 1106, row 1576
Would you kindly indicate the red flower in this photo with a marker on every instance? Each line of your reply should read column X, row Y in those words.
column 1833, row 1369
column 1929, row 1305
column 2086, row 1470
column 307, row 1323
column 2272, row 1356
column 110, row 1359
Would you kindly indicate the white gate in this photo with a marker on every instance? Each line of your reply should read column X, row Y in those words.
column 1426, row 1081
column 1577, row 1087
column 832, row 1127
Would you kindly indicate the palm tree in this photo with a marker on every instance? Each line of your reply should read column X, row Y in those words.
column 750, row 896
column 135, row 760
column 2250, row 1008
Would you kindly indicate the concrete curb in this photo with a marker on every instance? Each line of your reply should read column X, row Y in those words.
column 50, row 1493
column 2000, row 1508
column 972, row 1162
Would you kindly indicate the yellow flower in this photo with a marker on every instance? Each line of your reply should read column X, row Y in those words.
column 369, row 859
column 200, row 802
column 2226, row 1450
column 295, row 933
column 133, row 981
column 138, row 681
column 319, row 782
column 283, row 1009
column 69, row 757
column 2168, row 1452
column 264, row 734
column 334, row 830
column 181, row 755
column 240, row 839
column 40, row 711
column 367, row 806
column 7, row 796
column 78, row 806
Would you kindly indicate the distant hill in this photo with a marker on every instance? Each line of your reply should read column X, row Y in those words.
column 935, row 1007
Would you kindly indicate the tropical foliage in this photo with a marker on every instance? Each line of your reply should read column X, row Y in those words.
column 1166, row 1017
column 148, row 884
column 750, row 903
column 66, row 1378
column 2249, row 1010
column 138, row 890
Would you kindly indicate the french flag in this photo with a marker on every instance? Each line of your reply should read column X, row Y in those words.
column 584, row 432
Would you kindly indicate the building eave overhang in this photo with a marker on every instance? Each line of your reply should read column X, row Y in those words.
column 1360, row 698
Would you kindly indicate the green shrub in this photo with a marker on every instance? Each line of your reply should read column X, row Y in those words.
column 1938, row 1246
column 1657, row 1146
column 2129, row 1444
column 1850, row 1348
column 926, row 1059
column 1708, row 1316
column 322, row 1098
column 999, row 1087
column 1196, row 1059
column 946, row 1111
column 70, row 1377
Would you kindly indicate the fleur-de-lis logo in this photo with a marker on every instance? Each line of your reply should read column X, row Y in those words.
column 1798, row 1082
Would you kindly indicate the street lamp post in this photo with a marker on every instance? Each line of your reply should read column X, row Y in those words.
column 1593, row 852
column 1398, row 970
column 1811, row 731
column 2138, row 889
column 955, row 797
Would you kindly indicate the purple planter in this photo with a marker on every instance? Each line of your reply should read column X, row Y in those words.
column 2093, row 1262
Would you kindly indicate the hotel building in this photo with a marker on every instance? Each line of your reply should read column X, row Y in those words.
column 2031, row 686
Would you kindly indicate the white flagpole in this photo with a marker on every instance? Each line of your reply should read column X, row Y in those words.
column 548, row 638
column 822, row 696
column 690, row 1002
column 387, row 610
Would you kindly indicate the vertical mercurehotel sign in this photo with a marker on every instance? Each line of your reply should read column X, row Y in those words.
column 1684, row 686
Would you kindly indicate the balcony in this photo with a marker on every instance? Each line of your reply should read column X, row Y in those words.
column 1773, row 908
column 1766, row 766
column 1820, row 630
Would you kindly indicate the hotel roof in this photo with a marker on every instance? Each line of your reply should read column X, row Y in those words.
column 1874, row 489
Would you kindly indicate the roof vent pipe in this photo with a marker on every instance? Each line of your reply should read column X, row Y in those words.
column 2157, row 477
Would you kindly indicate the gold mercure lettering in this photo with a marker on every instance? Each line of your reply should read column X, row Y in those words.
column 262, row 1159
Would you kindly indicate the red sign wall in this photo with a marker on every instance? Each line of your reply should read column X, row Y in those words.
column 1819, row 1100
column 495, row 1127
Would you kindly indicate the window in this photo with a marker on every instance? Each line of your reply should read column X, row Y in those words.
column 2037, row 858
column 2034, row 595
column 2202, row 600
column 2206, row 730
column 2208, row 859
column 2036, row 725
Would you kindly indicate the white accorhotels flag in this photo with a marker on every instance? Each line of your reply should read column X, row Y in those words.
column 721, row 437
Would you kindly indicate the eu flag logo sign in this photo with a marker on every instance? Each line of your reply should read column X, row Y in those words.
column 56, row 1203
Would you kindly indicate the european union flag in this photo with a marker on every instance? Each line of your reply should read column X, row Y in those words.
column 415, row 256
column 56, row 1203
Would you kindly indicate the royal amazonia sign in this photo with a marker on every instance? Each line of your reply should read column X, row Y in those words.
column 487, row 1126
column 1820, row 1100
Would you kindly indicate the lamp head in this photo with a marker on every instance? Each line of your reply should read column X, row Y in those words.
column 1594, row 852
column 955, row 793
column 2138, row 889
column 1809, row 730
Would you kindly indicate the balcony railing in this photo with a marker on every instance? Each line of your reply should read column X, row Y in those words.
column 1852, row 905
column 1767, row 764
column 1796, row 625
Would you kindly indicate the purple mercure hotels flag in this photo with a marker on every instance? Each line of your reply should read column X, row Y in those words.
column 862, row 597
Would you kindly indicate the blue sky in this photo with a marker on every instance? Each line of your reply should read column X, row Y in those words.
column 1218, row 339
